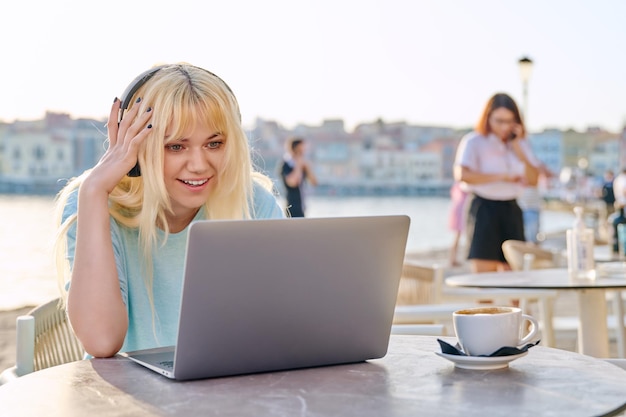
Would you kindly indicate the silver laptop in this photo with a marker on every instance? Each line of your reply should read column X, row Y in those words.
column 268, row 295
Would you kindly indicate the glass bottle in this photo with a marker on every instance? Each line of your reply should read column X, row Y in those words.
column 580, row 242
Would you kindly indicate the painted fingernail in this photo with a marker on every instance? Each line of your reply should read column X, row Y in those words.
column 138, row 100
column 115, row 100
column 149, row 110
column 149, row 126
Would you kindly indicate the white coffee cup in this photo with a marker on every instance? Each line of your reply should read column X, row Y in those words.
column 483, row 330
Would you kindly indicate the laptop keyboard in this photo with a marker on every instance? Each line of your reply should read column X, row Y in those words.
column 167, row 364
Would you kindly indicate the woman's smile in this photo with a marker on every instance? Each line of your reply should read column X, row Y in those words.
column 195, row 183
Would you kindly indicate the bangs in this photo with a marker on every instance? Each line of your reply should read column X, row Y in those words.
column 191, row 113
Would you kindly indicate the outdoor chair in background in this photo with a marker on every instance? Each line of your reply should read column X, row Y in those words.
column 515, row 251
column 526, row 256
column 419, row 301
column 424, row 297
column 44, row 339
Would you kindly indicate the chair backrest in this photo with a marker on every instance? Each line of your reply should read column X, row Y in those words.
column 44, row 338
column 514, row 251
column 55, row 342
column 420, row 284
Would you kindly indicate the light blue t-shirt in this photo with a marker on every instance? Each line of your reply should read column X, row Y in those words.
column 167, row 260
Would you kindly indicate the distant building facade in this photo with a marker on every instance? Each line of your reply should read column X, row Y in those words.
column 375, row 158
column 40, row 156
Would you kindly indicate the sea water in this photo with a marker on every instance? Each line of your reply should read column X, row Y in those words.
column 28, row 274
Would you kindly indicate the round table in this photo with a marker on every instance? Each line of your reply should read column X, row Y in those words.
column 593, row 336
column 410, row 380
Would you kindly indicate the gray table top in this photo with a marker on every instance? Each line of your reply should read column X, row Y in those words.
column 410, row 380
column 554, row 279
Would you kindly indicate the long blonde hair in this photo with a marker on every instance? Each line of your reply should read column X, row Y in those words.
column 181, row 95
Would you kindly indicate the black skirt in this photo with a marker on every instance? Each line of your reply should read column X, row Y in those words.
column 489, row 223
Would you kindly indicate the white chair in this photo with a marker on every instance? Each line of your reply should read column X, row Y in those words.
column 424, row 298
column 516, row 251
column 615, row 321
column 444, row 295
column 44, row 339
column 525, row 256
column 500, row 296
column 419, row 302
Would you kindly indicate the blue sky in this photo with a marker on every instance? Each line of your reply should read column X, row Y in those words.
column 424, row 62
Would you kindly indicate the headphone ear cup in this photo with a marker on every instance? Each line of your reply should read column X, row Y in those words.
column 135, row 171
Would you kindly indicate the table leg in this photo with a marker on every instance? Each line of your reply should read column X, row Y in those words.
column 620, row 330
column 546, row 313
column 593, row 334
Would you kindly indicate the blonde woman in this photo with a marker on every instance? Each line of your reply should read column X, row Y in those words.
column 177, row 153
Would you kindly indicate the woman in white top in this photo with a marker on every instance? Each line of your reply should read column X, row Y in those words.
column 495, row 164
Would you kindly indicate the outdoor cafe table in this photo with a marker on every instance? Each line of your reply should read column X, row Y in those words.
column 410, row 380
column 593, row 335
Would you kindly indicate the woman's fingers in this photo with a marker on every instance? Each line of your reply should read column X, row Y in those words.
column 139, row 124
column 128, row 118
column 125, row 137
column 130, row 127
column 136, row 140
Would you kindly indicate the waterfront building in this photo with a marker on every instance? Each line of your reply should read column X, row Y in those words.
column 375, row 158
column 38, row 156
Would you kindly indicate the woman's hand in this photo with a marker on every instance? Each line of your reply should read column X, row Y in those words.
column 512, row 178
column 517, row 132
column 516, row 143
column 465, row 174
column 95, row 305
column 531, row 175
column 124, row 141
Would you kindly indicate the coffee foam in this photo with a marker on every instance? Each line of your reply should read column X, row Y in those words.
column 485, row 310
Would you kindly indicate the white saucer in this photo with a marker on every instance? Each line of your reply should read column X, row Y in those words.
column 481, row 362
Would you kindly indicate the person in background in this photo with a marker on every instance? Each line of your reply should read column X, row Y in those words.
column 123, row 238
column 456, row 219
column 606, row 192
column 495, row 164
column 619, row 188
column 295, row 171
column 530, row 201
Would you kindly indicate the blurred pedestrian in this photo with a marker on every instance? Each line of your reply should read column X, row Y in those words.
column 619, row 188
column 607, row 195
column 456, row 219
column 295, row 171
column 531, row 203
column 495, row 163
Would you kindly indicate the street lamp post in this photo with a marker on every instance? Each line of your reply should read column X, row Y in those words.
column 525, row 68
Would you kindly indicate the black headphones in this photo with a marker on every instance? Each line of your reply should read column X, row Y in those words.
column 132, row 88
